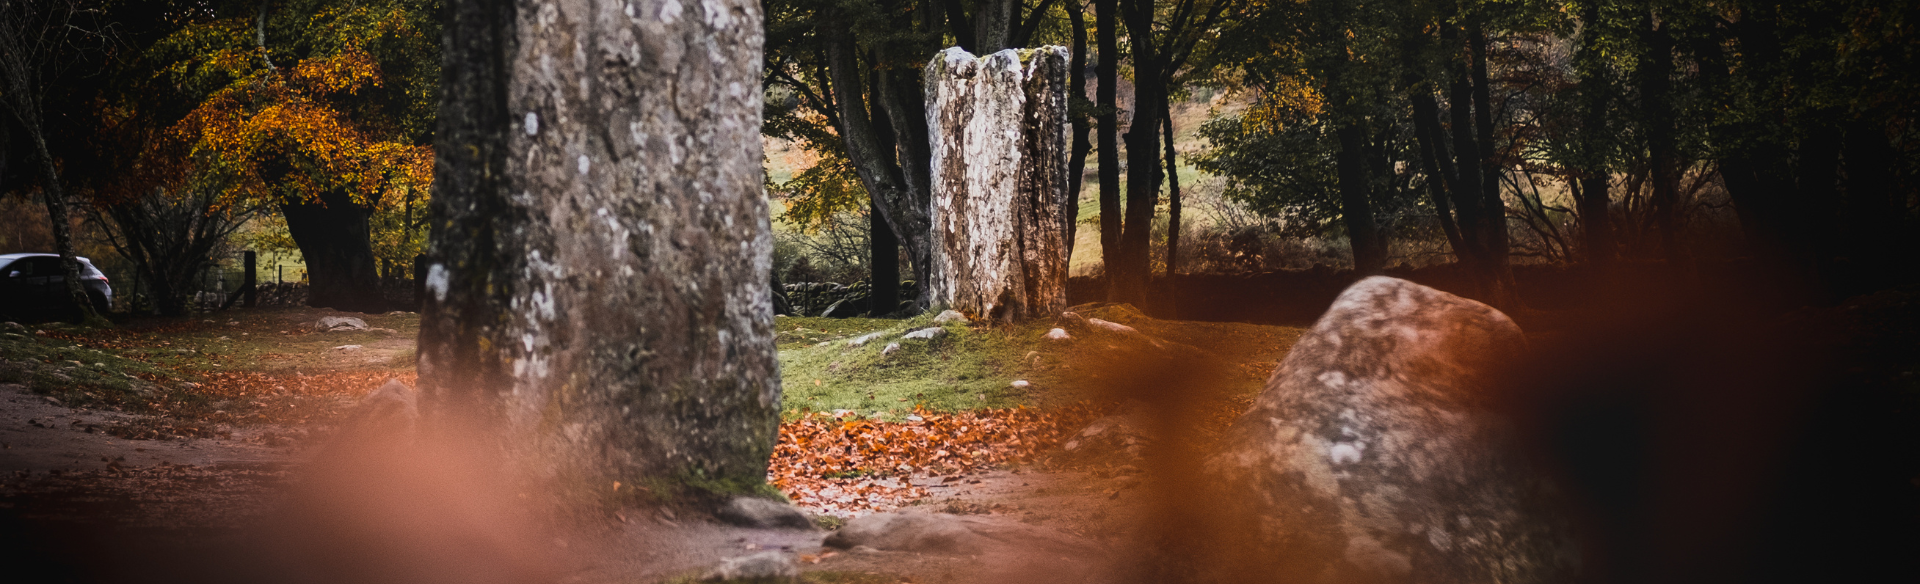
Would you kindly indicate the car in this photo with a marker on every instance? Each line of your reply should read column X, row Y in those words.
column 33, row 287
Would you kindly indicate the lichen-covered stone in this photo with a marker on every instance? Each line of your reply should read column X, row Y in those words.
column 599, row 274
column 1371, row 456
column 998, row 131
column 764, row 567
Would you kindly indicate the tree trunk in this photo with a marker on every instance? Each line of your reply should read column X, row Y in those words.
column 1592, row 198
column 1356, row 205
column 885, row 249
column 598, row 289
column 1076, row 102
column 56, row 201
column 1426, row 126
column 335, row 241
column 1129, row 276
column 898, row 189
column 1173, row 198
column 1105, row 96
column 1496, row 271
column 993, row 25
column 1655, row 84
column 999, row 157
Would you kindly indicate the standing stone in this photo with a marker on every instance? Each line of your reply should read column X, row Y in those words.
column 1371, row 456
column 998, row 130
column 598, row 286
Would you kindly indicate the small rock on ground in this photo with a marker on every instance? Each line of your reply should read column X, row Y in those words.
column 891, row 349
column 864, row 339
column 947, row 316
column 756, row 512
column 1058, row 335
column 942, row 533
column 339, row 323
column 769, row 566
column 929, row 333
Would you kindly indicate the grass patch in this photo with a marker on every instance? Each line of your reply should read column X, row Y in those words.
column 198, row 375
column 965, row 368
column 77, row 375
column 973, row 367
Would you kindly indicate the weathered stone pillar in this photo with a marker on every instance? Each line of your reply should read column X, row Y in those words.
column 999, row 134
column 598, row 289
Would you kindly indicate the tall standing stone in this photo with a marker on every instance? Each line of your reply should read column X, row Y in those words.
column 597, row 292
column 998, row 129
column 1372, row 456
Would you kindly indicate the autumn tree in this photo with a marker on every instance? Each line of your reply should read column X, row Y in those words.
column 322, row 109
column 598, row 293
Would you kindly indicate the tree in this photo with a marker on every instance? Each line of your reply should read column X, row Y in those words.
column 853, row 66
column 1160, row 49
column 1107, row 137
column 38, row 41
column 171, row 239
column 1807, row 102
column 1320, row 144
column 598, row 289
column 324, row 110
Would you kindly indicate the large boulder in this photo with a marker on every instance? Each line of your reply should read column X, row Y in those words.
column 1373, row 454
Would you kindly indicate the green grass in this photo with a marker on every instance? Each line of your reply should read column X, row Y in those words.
column 968, row 368
column 973, row 367
column 77, row 375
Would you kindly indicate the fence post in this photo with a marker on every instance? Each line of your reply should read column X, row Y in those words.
column 247, row 286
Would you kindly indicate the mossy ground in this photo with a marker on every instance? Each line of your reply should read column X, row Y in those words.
column 969, row 367
column 75, row 374
column 974, row 366
column 199, row 374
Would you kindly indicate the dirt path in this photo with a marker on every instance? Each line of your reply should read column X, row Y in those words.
column 206, row 506
column 38, row 436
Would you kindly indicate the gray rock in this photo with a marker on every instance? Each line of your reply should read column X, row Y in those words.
column 1120, row 437
column 339, row 323
column 1058, row 334
column 11, row 326
column 862, row 340
column 1371, row 455
column 947, row 316
column 890, row 350
column 1112, row 327
column 757, row 512
column 929, row 333
column 769, row 566
column 942, row 533
column 393, row 407
column 347, row 348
